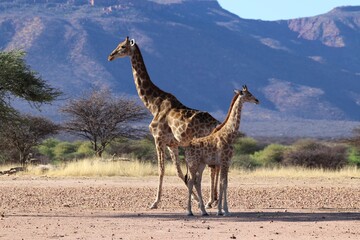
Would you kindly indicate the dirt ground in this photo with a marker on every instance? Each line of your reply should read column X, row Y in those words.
column 117, row 208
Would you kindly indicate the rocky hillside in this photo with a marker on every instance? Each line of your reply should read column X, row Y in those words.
column 301, row 69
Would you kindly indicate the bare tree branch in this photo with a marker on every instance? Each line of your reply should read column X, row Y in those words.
column 25, row 132
column 100, row 117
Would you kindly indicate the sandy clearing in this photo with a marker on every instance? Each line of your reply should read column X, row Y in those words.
column 117, row 208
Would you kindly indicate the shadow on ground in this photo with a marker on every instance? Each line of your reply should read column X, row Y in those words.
column 259, row 216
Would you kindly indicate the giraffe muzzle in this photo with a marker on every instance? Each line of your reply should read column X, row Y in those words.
column 110, row 57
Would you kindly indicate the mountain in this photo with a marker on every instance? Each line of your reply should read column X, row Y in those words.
column 303, row 70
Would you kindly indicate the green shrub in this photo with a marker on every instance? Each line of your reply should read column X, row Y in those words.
column 312, row 154
column 354, row 156
column 83, row 149
column 143, row 149
column 57, row 150
column 46, row 148
column 64, row 151
column 244, row 161
column 246, row 145
column 270, row 156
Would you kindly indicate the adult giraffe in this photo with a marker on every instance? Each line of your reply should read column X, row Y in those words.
column 173, row 124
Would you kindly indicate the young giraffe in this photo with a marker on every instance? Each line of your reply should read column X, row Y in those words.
column 216, row 149
column 173, row 124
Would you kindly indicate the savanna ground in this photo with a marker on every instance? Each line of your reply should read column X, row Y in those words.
column 265, row 204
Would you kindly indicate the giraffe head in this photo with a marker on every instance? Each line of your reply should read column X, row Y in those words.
column 124, row 49
column 246, row 95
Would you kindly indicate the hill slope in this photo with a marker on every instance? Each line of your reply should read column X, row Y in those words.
column 300, row 69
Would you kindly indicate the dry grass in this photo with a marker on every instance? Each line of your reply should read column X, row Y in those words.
column 298, row 172
column 93, row 167
column 99, row 168
column 8, row 166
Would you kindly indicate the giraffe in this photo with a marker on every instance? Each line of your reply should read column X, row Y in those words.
column 216, row 149
column 173, row 124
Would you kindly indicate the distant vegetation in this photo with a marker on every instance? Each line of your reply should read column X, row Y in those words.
column 96, row 116
column 109, row 128
column 250, row 154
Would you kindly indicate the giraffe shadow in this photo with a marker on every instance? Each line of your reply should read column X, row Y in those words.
column 245, row 216
column 262, row 216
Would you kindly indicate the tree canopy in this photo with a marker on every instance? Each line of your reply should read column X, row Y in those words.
column 100, row 117
column 17, row 80
column 26, row 131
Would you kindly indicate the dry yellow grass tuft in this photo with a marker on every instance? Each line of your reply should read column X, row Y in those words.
column 94, row 167
column 299, row 172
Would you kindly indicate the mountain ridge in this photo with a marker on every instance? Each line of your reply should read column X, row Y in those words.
column 304, row 68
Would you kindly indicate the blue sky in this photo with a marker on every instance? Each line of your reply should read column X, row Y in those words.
column 282, row 9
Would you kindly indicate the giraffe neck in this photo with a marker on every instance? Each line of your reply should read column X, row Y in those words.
column 149, row 93
column 230, row 126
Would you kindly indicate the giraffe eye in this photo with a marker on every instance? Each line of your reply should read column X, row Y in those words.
column 123, row 47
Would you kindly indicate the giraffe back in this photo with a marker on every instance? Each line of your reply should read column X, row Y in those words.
column 187, row 124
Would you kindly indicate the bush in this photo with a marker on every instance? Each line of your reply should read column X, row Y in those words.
column 312, row 154
column 56, row 150
column 246, row 145
column 354, row 156
column 84, row 149
column 65, row 151
column 7, row 154
column 143, row 149
column 46, row 148
column 272, row 155
column 244, row 161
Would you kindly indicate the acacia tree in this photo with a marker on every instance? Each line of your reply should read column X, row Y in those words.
column 18, row 80
column 25, row 132
column 100, row 117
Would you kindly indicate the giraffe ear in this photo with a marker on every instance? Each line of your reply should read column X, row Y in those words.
column 237, row 91
column 245, row 88
column 132, row 42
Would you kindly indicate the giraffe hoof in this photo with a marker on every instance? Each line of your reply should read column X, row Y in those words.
column 154, row 206
column 219, row 214
column 205, row 214
column 190, row 214
column 227, row 214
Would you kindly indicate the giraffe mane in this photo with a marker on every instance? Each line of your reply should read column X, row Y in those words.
column 169, row 95
column 218, row 127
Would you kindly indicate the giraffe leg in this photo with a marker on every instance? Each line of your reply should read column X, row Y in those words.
column 198, row 189
column 216, row 193
column 174, row 154
column 190, row 186
column 219, row 211
column 225, row 206
column 212, row 185
column 214, row 177
column 161, row 168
